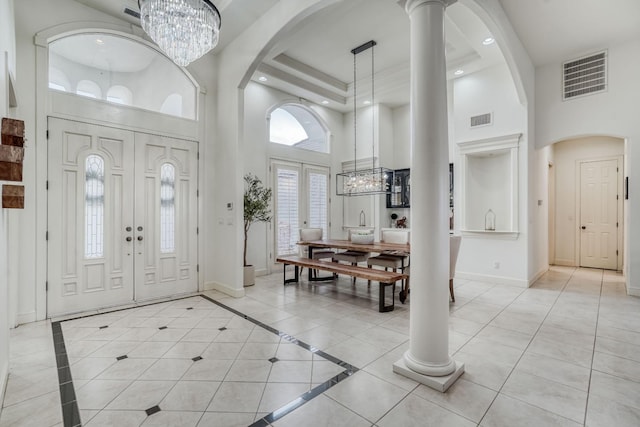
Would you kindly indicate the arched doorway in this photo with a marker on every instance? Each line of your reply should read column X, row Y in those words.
column 586, row 227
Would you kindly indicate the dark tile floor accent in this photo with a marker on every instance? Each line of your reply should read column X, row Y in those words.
column 153, row 410
column 70, row 412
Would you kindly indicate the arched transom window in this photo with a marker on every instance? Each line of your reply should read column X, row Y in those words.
column 296, row 126
column 119, row 70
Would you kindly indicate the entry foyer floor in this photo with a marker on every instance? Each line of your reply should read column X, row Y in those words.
column 565, row 352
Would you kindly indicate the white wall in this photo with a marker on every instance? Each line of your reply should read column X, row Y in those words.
column 612, row 113
column 257, row 152
column 492, row 90
column 566, row 157
column 7, row 44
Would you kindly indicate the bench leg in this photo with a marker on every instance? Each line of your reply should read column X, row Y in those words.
column 296, row 275
column 385, row 308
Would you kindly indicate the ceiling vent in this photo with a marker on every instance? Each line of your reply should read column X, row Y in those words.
column 584, row 76
column 481, row 120
column 131, row 12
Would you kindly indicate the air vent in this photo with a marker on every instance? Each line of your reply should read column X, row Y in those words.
column 585, row 76
column 131, row 12
column 481, row 120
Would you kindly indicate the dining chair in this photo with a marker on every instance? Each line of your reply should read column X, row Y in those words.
column 351, row 256
column 310, row 234
column 387, row 259
column 454, row 249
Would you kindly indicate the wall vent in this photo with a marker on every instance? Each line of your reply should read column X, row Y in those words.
column 481, row 120
column 584, row 76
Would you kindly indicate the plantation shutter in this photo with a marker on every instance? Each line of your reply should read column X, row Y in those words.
column 287, row 188
column 318, row 201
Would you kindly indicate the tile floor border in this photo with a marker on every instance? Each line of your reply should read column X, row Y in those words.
column 71, row 413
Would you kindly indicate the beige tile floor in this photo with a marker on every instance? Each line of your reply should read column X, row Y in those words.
column 564, row 352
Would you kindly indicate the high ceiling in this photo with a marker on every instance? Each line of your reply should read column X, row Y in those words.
column 314, row 61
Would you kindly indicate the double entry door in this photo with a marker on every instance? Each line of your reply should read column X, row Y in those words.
column 301, row 201
column 122, row 217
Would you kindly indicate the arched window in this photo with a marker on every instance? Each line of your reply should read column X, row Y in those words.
column 136, row 74
column 296, row 126
column 119, row 95
column 94, row 207
column 58, row 80
column 89, row 88
column 172, row 105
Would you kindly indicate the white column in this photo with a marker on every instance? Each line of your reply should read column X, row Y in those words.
column 427, row 359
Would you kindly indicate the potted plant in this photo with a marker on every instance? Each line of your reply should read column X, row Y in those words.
column 257, row 208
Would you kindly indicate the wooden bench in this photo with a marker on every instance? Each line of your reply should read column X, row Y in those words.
column 385, row 278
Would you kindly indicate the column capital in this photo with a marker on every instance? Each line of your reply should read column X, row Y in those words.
column 409, row 5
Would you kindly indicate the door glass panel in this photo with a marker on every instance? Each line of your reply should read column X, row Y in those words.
column 317, row 193
column 287, row 211
column 167, row 208
column 94, row 207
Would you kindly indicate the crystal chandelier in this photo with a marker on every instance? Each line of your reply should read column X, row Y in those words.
column 374, row 180
column 184, row 29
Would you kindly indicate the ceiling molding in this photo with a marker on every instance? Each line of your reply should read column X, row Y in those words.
column 314, row 73
column 301, row 83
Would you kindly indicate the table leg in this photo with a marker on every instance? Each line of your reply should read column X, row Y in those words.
column 382, row 292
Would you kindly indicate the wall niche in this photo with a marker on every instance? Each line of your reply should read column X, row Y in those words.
column 489, row 186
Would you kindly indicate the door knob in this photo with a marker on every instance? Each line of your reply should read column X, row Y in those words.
column 128, row 239
column 584, row 227
column 139, row 238
column 128, row 228
column 139, row 228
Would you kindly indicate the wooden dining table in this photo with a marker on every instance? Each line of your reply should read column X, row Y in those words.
column 377, row 247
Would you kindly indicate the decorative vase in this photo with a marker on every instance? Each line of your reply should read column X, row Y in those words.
column 249, row 275
column 490, row 221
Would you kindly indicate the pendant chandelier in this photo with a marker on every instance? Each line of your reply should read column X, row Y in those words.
column 184, row 29
column 373, row 180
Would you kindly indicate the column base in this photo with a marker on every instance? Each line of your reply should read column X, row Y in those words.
column 437, row 383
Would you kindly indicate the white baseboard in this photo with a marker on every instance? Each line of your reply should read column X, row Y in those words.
column 28, row 317
column 635, row 292
column 262, row 272
column 538, row 275
column 565, row 262
column 225, row 289
column 500, row 280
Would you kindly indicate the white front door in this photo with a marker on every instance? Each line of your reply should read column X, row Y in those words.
column 122, row 217
column 166, row 221
column 599, row 214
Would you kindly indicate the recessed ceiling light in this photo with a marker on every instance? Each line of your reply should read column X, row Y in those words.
column 367, row 102
column 458, row 72
column 100, row 41
column 325, row 102
column 488, row 41
column 262, row 78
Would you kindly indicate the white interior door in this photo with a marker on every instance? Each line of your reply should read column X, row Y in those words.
column 166, row 216
column 599, row 214
column 301, row 201
column 122, row 210
column 90, row 209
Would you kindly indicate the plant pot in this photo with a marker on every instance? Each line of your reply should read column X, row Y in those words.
column 249, row 275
